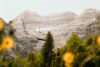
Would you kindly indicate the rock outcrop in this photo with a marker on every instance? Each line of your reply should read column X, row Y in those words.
column 32, row 28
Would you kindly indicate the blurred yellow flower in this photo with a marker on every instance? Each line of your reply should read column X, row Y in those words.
column 67, row 65
column 68, row 57
column 98, row 40
column 2, row 49
column 7, row 43
column 1, row 24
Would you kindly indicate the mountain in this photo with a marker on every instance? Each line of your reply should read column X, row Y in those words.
column 30, row 25
column 31, row 28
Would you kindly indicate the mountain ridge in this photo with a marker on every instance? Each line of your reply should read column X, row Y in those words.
column 31, row 29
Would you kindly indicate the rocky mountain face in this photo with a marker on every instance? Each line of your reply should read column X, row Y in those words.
column 31, row 28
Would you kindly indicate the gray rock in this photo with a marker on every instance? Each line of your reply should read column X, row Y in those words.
column 31, row 28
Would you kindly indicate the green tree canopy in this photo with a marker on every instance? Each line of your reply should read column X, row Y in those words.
column 47, row 49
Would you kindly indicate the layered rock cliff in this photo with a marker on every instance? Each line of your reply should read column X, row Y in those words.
column 31, row 28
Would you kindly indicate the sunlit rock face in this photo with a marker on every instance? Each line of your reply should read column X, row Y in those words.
column 30, row 24
column 89, row 13
column 31, row 28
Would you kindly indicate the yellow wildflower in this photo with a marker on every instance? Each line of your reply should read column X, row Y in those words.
column 1, row 24
column 67, row 65
column 2, row 49
column 98, row 40
column 7, row 43
column 68, row 57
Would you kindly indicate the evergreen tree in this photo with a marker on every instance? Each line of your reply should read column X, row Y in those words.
column 58, row 59
column 74, row 44
column 31, row 59
column 38, row 60
column 47, row 50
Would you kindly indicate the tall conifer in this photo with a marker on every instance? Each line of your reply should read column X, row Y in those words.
column 47, row 50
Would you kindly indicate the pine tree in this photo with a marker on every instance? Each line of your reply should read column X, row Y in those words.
column 58, row 58
column 74, row 44
column 31, row 59
column 47, row 50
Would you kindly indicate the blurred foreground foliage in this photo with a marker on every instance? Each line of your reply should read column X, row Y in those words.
column 86, row 54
